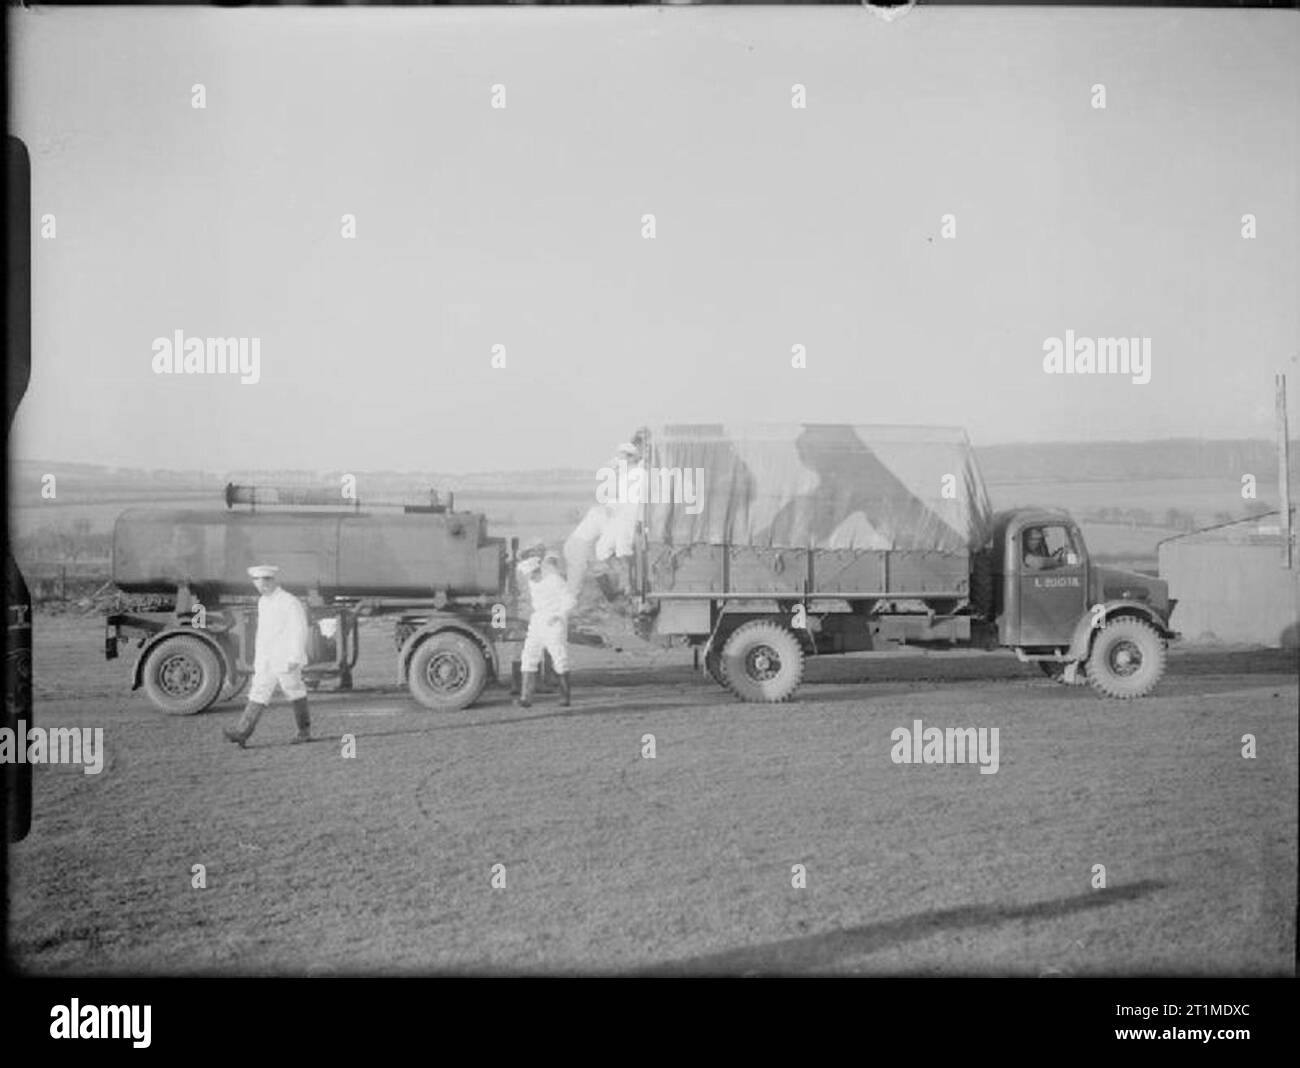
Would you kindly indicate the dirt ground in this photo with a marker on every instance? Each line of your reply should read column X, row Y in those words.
column 681, row 864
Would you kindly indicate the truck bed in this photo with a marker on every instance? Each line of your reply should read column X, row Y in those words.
column 706, row 570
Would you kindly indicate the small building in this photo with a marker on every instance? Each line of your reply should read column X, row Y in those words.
column 1232, row 583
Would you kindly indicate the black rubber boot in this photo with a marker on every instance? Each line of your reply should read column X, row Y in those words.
column 302, row 720
column 565, row 693
column 529, row 681
column 244, row 728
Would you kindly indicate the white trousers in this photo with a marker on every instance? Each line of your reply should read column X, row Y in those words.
column 265, row 679
column 545, row 637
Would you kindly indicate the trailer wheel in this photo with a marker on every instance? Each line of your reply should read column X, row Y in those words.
column 762, row 662
column 182, row 675
column 448, row 672
column 1127, row 659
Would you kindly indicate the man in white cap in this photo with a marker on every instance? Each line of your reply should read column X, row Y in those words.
column 548, row 626
column 280, row 656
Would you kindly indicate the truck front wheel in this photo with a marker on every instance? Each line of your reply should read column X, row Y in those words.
column 182, row 675
column 448, row 672
column 762, row 662
column 1127, row 659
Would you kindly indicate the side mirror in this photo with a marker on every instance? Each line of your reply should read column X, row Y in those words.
column 1072, row 559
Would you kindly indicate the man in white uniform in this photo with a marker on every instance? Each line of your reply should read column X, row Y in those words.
column 609, row 528
column 578, row 545
column 619, row 535
column 280, row 655
column 548, row 626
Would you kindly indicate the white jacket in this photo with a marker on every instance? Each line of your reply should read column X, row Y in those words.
column 281, row 631
column 550, row 597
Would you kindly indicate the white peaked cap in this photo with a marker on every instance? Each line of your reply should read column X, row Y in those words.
column 530, row 565
column 263, row 571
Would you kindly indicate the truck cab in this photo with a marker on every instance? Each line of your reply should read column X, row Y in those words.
column 1054, row 603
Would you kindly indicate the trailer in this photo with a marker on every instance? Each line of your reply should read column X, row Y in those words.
column 448, row 587
column 809, row 539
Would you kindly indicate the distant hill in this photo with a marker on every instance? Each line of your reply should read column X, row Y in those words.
column 1143, row 460
column 1171, row 458
column 1127, row 496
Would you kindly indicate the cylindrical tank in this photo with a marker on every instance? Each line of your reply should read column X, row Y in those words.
column 340, row 554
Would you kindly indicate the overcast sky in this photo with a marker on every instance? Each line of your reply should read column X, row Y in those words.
column 522, row 226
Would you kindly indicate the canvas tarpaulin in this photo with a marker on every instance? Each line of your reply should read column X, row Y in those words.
column 804, row 485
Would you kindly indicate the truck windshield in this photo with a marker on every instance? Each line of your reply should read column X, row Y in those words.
column 1047, row 547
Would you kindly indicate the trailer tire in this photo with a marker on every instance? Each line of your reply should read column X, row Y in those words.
column 1127, row 659
column 448, row 672
column 762, row 662
column 182, row 675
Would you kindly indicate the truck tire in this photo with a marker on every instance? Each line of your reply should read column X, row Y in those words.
column 182, row 675
column 448, row 672
column 713, row 665
column 762, row 662
column 1055, row 671
column 1127, row 659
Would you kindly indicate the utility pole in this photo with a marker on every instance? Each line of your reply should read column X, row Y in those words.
column 1284, row 469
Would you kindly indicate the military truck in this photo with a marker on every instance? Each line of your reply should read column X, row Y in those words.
column 805, row 539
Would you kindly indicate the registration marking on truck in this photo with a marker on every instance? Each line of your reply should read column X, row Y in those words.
column 1049, row 583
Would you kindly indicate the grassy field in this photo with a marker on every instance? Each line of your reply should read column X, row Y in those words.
column 681, row 864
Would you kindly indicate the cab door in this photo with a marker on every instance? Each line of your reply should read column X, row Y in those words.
column 1053, row 584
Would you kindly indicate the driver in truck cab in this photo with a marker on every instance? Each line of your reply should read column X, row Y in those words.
column 1037, row 555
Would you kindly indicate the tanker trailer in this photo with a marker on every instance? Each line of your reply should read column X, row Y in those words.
column 434, row 569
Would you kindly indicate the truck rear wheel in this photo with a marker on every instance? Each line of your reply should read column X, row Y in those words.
column 182, row 675
column 448, row 672
column 1127, row 659
column 762, row 662
column 713, row 665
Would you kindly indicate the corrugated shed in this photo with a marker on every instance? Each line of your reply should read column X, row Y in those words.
column 1231, row 584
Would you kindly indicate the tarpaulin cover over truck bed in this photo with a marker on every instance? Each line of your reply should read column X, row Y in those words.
column 806, row 485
